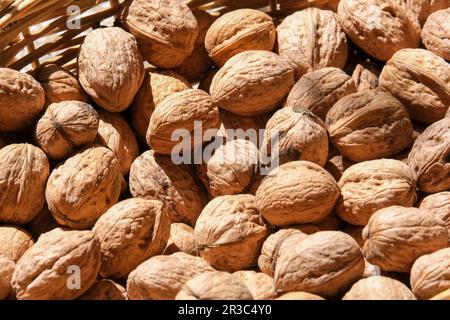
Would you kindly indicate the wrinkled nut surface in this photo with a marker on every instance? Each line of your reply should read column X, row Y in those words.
column 162, row 277
column 396, row 236
column 22, row 99
column 296, row 192
column 105, row 290
column 436, row 33
column 165, row 30
column 260, row 285
column 379, row 288
column 422, row 9
column 379, row 27
column 229, row 233
column 364, row 79
column 238, row 31
column 130, row 232
column 299, row 295
column 110, row 68
column 65, row 127
column 421, row 81
column 181, row 239
column 7, row 267
column 234, row 127
column 312, row 39
column 82, row 188
column 24, row 170
column 14, row 242
column 252, row 83
column 324, row 263
column 44, row 271
column 438, row 205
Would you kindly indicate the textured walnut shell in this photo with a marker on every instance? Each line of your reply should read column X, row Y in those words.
column 379, row 288
column 369, row 125
column 44, row 271
column 110, row 68
column 324, row 263
column 364, row 79
column 65, row 127
column 299, row 295
column 130, row 232
column 229, row 233
column 296, row 192
column 252, row 82
column 216, row 285
column 438, row 205
column 436, row 33
column 105, row 290
column 43, row 223
column 181, row 239
column 154, row 176
column 7, row 267
column 24, row 170
column 429, row 157
column 422, row 9
column 421, row 81
column 82, row 188
column 14, row 242
column 260, row 285
column 312, row 39
column 162, row 277
column 396, row 236
column 238, row 31
column 379, row 27
column 165, row 30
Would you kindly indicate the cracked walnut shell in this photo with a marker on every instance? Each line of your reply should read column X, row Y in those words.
column 436, row 33
column 379, row 288
column 14, row 242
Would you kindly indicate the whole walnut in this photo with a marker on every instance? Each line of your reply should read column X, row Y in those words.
column 162, row 277
column 238, row 31
column 319, row 90
column 181, row 239
column 324, row 263
column 299, row 295
column 83, row 187
column 165, row 30
column 420, row 79
column 62, row 265
column 430, row 274
column 260, row 285
column 364, row 79
column 130, row 232
column 302, row 4
column 312, row 39
column 7, row 267
column 216, row 285
column 105, row 290
column 24, row 170
column 110, row 68
column 66, row 127
column 379, row 288
column 154, row 176
column 396, row 236
column 43, row 223
column 436, row 33
column 296, row 192
column 22, row 100
column 229, row 232
column 252, row 83
column 14, row 242
column 429, row 157
column 438, row 205
column 379, row 27
column 422, row 9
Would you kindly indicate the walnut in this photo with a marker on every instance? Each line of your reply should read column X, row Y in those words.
column 364, row 79
column 379, row 288
column 105, row 290
column 299, row 295
column 181, row 239
column 260, row 285
column 422, row 9
column 7, row 267
column 438, row 205
column 14, row 242
column 436, row 33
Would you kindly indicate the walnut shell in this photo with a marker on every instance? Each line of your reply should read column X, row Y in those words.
column 181, row 239
column 438, row 205
column 58, row 259
column 24, row 170
column 421, row 81
column 165, row 30
column 364, row 79
column 324, row 263
column 252, row 82
column 396, row 236
column 110, row 68
column 379, row 288
column 436, row 33
column 299, row 295
column 14, row 242
column 105, row 290
column 7, row 267
column 162, row 277
column 229, row 233
column 444, row 295
column 312, row 39
column 260, row 285
column 82, row 188
column 422, row 9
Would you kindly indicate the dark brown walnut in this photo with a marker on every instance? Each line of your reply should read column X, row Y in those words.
column 312, row 39
column 162, row 277
column 299, row 295
column 43, row 223
column 66, row 127
column 22, row 100
column 110, row 68
column 379, row 27
column 423, row 8
column 337, row 163
column 396, row 236
column 260, row 285
column 420, row 79
column 154, row 176
column 252, row 83
column 48, row 269
column 364, row 79
column 379, row 288
column 7, row 267
column 369, row 125
column 325, row 263
column 436, row 33
column 238, row 31
column 105, row 290
column 24, row 170
column 83, row 187
column 165, row 30
column 14, row 242
column 302, row 4
column 229, row 233
column 296, row 192
column 319, row 90
column 429, row 157
column 438, row 205
column 181, row 239
column 216, row 285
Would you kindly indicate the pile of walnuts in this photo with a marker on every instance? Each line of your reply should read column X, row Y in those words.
column 94, row 205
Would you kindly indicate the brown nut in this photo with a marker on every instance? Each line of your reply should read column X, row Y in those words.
column 438, row 205
column 181, row 239
column 105, row 290
column 110, row 68
column 299, row 295
column 260, row 285
column 364, row 79
column 14, row 242
column 444, row 295
column 436, row 33
column 7, row 267
column 423, row 8
column 379, row 288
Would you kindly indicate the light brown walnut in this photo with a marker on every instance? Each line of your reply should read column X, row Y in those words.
column 105, row 289
column 260, row 285
column 438, row 205
column 379, row 288
column 181, row 239
column 422, row 9
column 436, row 33
column 299, row 295
column 364, row 78
column 14, row 242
